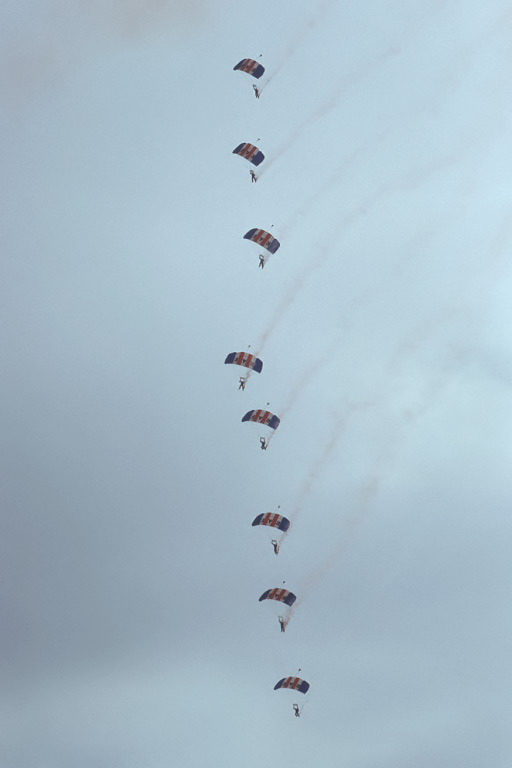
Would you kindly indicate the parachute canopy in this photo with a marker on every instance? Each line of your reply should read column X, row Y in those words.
column 292, row 682
column 263, row 238
column 251, row 67
column 273, row 520
column 245, row 359
column 282, row 595
column 250, row 152
column 262, row 417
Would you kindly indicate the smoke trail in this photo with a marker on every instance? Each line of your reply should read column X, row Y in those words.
column 304, row 379
column 406, row 182
column 335, row 178
column 408, row 415
column 309, row 480
column 410, row 180
column 371, row 486
column 347, row 82
column 367, row 493
column 296, row 41
column 356, row 76
column 338, row 429
column 285, row 303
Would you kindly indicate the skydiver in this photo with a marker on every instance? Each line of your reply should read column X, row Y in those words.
column 276, row 546
column 253, row 176
column 296, row 710
column 256, row 91
column 282, row 623
column 242, row 383
column 263, row 444
column 262, row 261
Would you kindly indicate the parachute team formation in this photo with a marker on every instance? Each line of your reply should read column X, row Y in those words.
column 252, row 363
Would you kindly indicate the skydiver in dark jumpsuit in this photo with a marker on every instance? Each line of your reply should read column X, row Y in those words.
column 282, row 623
column 276, row 546
column 253, row 176
column 263, row 444
column 296, row 710
column 262, row 261
column 256, row 92
column 242, row 383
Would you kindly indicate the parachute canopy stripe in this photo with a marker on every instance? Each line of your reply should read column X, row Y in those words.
column 245, row 359
column 250, row 152
column 263, row 238
column 262, row 417
column 292, row 682
column 282, row 595
column 273, row 520
column 251, row 67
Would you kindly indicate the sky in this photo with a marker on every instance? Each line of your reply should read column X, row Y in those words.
column 132, row 634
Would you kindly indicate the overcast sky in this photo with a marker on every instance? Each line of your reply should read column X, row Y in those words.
column 131, row 633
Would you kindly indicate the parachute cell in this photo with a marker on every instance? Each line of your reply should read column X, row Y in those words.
column 282, row 595
column 262, row 417
column 273, row 520
column 250, row 152
column 295, row 683
column 263, row 238
column 245, row 359
column 251, row 67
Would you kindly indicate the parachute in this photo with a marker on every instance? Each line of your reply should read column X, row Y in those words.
column 282, row 595
column 273, row 520
column 250, row 152
column 265, row 239
column 293, row 682
column 251, row 67
column 245, row 359
column 262, row 417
